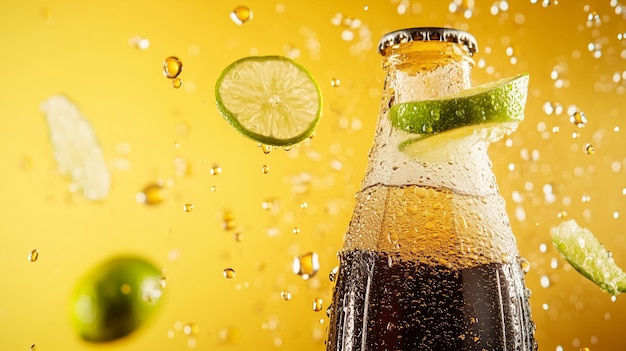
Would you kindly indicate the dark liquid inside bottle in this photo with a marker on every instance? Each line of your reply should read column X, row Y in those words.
column 381, row 303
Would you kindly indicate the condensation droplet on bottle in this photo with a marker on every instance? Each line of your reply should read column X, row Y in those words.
column 578, row 118
column 215, row 170
column 333, row 273
column 229, row 273
column 285, row 295
column 524, row 265
column 33, row 255
column 589, row 149
column 306, row 265
column 318, row 304
column 172, row 67
column 241, row 15
column 152, row 194
column 265, row 169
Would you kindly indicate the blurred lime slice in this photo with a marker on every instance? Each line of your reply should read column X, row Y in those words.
column 587, row 255
column 270, row 99
column 115, row 298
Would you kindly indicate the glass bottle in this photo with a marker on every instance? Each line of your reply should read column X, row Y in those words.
column 429, row 259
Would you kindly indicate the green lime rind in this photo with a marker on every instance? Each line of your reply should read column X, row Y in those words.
column 115, row 298
column 500, row 101
column 588, row 256
column 252, row 86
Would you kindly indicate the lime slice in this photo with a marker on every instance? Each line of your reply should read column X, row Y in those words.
column 115, row 298
column 496, row 102
column 270, row 99
column 587, row 255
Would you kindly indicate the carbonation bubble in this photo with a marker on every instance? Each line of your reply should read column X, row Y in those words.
column 172, row 67
column 578, row 118
column 33, row 255
column 265, row 169
column 318, row 304
column 285, row 295
column 241, row 15
column 228, row 221
column 216, row 170
column 152, row 194
column 589, row 149
column 335, row 82
column 191, row 329
column 188, row 207
column 229, row 273
column 295, row 230
column 306, row 265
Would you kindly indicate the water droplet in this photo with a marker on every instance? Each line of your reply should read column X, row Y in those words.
column 335, row 82
column 295, row 230
column 191, row 329
column 177, row 83
column 215, row 170
column 306, row 265
column 188, row 207
column 265, row 169
column 139, row 42
column 333, row 273
column 241, row 15
column 304, row 205
column 172, row 67
column 228, row 221
column 229, row 273
column 524, row 265
column 578, row 118
column 33, row 255
column 317, row 304
column 285, row 295
column 152, row 194
column 266, row 148
column 589, row 149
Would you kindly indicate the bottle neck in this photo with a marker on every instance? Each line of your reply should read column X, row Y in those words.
column 417, row 71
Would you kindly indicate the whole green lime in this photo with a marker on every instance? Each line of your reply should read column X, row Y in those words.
column 115, row 298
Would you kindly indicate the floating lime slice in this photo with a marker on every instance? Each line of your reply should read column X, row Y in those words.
column 494, row 109
column 270, row 99
column 587, row 255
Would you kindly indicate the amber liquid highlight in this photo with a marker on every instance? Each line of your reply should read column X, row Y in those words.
column 430, row 288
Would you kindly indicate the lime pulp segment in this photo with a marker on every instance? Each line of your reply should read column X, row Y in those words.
column 587, row 255
column 495, row 102
column 270, row 99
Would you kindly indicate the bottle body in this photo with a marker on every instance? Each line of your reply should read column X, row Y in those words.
column 429, row 260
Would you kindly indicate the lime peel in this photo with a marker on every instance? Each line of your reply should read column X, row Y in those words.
column 588, row 256
column 269, row 99
column 500, row 101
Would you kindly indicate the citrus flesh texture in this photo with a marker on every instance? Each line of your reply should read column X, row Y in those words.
column 588, row 256
column 269, row 99
column 115, row 298
column 492, row 110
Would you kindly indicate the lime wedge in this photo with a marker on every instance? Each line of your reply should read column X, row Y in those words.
column 587, row 255
column 270, row 99
column 496, row 102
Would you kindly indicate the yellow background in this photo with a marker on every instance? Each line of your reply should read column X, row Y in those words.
column 149, row 131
